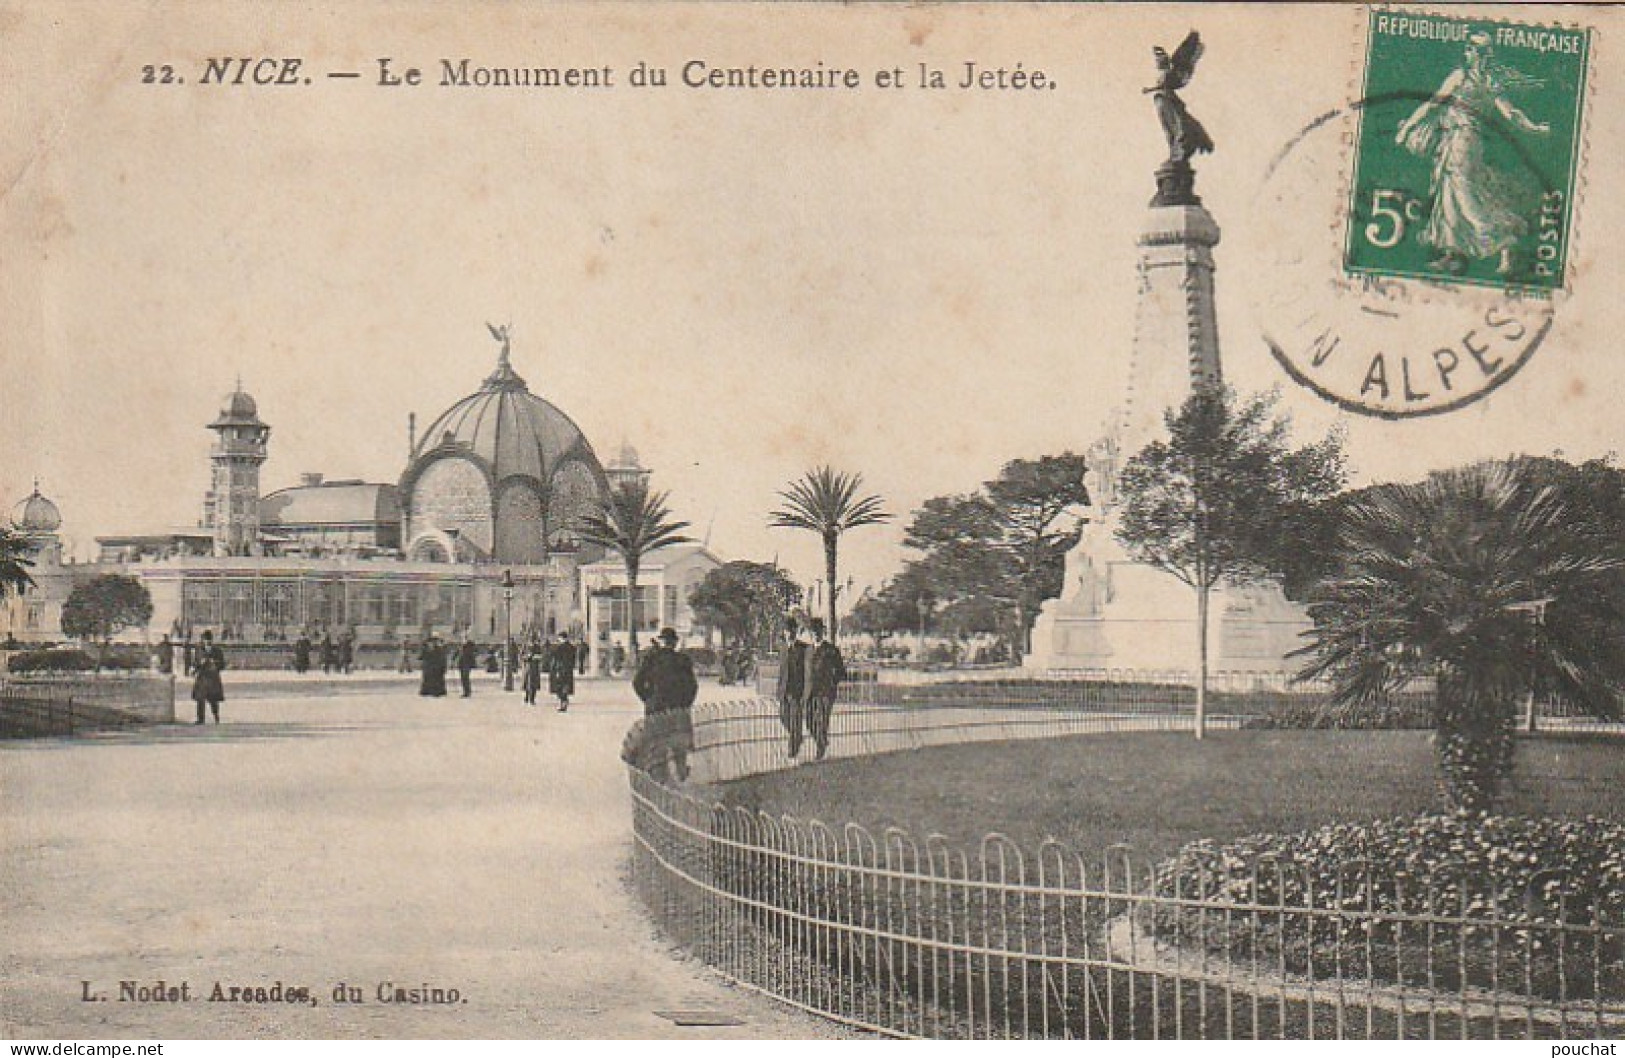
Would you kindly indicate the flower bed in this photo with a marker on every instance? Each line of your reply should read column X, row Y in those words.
column 1533, row 907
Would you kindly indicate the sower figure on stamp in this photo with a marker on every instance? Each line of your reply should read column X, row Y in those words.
column 561, row 671
column 666, row 685
column 792, row 685
column 825, row 671
column 1478, row 211
column 207, row 687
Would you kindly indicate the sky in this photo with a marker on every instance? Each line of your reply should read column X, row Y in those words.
column 912, row 284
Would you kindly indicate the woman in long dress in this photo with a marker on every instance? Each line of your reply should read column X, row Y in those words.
column 1476, row 208
column 432, row 684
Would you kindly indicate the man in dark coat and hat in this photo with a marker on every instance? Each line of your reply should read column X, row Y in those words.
column 207, row 687
column 792, row 686
column 825, row 671
column 468, row 655
column 561, row 671
column 535, row 659
column 666, row 685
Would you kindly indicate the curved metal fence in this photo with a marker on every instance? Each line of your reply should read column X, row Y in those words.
column 912, row 937
column 36, row 706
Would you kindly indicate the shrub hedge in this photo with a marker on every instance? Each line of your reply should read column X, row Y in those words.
column 121, row 658
column 1503, row 903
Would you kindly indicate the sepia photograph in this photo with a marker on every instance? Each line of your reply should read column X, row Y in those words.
column 734, row 520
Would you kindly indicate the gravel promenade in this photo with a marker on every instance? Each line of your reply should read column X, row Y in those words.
column 351, row 841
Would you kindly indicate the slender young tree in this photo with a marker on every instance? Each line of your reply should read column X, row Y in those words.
column 632, row 522
column 1219, row 499
column 1488, row 580
column 826, row 502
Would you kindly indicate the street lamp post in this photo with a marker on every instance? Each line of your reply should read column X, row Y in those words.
column 507, row 630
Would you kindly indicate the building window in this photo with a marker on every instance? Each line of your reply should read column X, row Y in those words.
column 200, row 603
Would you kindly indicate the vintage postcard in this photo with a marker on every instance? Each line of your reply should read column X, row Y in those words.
column 819, row 521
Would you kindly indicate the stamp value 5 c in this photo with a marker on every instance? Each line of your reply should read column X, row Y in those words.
column 1467, row 149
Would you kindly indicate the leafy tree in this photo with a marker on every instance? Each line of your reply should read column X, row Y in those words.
column 1033, row 498
column 746, row 602
column 1216, row 502
column 1489, row 582
column 632, row 522
column 826, row 502
column 996, row 554
column 100, row 608
column 891, row 610
column 16, row 557
column 962, row 559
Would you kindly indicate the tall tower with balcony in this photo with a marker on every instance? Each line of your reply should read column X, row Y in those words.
column 231, row 507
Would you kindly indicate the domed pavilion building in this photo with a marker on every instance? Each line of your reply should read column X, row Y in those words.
column 501, row 476
column 477, row 537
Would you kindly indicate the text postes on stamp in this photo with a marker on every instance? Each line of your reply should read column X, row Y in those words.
column 1465, row 157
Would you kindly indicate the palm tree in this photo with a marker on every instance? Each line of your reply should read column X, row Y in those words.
column 1488, row 583
column 632, row 521
column 16, row 556
column 825, row 502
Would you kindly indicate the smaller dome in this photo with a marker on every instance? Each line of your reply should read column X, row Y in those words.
column 627, row 459
column 239, row 405
column 36, row 514
column 237, row 409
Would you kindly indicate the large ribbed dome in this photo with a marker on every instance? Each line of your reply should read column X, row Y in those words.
column 36, row 514
column 509, row 427
column 502, row 474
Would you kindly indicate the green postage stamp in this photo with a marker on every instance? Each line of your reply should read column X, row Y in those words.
column 1466, row 156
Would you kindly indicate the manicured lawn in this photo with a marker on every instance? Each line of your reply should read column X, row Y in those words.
column 1155, row 791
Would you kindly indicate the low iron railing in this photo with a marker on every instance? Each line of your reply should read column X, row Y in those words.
column 920, row 938
column 46, row 705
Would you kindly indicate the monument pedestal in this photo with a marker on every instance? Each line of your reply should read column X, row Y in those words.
column 1118, row 614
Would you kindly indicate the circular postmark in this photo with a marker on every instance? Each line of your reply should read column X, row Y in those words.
column 1387, row 345
column 1415, row 244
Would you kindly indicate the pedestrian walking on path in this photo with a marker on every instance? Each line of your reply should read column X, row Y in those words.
column 467, row 656
column 535, row 662
column 432, row 683
column 561, row 671
column 666, row 685
column 792, row 685
column 825, row 671
column 208, row 690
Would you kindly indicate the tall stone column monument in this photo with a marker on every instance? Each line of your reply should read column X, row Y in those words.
column 1114, row 612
